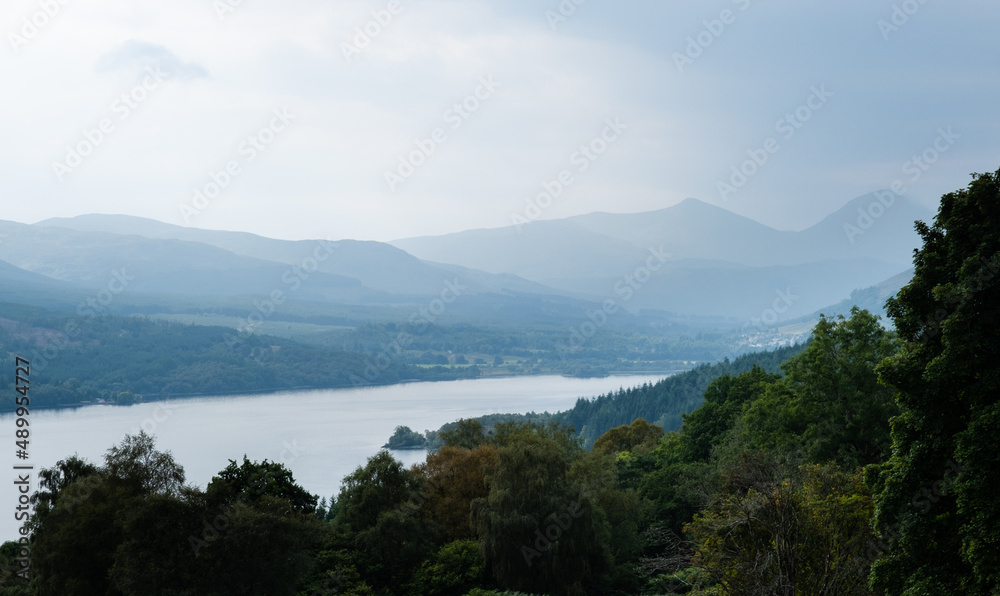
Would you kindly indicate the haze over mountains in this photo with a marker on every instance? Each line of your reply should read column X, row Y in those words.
column 689, row 259
column 719, row 262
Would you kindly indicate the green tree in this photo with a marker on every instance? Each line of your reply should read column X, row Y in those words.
column 467, row 433
column 145, row 533
column 250, row 482
column 936, row 497
column 336, row 574
column 154, row 555
column 780, row 532
column 453, row 570
column 684, row 472
column 80, row 506
column 540, row 532
column 52, row 481
column 253, row 531
column 639, row 436
column 830, row 406
column 83, row 514
column 381, row 485
column 137, row 463
column 454, row 478
column 261, row 548
column 725, row 400
column 380, row 517
column 10, row 583
column 405, row 438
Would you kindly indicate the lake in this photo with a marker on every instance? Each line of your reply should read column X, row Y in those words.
column 320, row 435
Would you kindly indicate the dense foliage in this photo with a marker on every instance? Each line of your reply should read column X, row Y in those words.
column 663, row 403
column 936, row 497
column 121, row 359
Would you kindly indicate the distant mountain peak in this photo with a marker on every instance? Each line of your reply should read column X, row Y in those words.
column 693, row 202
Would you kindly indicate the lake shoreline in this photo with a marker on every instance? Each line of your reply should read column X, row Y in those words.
column 149, row 398
column 321, row 436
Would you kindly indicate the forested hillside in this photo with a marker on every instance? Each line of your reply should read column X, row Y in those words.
column 83, row 358
column 663, row 403
column 116, row 359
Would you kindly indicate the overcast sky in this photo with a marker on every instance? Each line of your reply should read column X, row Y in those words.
column 667, row 97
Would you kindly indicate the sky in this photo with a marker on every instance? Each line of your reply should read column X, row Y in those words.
column 380, row 120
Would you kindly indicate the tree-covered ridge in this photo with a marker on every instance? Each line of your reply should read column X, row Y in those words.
column 118, row 359
column 664, row 402
column 114, row 358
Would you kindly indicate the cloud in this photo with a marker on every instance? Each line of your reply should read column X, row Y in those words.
column 135, row 56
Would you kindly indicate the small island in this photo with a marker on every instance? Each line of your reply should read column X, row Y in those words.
column 406, row 438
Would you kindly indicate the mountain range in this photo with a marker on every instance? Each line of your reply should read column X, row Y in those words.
column 692, row 259
column 719, row 263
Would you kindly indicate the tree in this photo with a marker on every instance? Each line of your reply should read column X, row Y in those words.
column 467, row 433
column 936, row 496
column 540, row 532
column 684, row 473
column 154, row 555
column 640, row 435
column 453, row 570
column 144, row 533
column 381, row 485
column 380, row 518
column 336, row 575
column 725, row 400
column 10, row 583
column 84, row 513
column 79, row 504
column 137, row 463
column 52, row 481
column 259, row 548
column 250, row 482
column 779, row 532
column 830, row 406
column 455, row 477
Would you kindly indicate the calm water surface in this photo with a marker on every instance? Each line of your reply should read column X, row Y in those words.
column 320, row 435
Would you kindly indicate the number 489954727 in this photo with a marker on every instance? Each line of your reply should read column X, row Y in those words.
column 21, row 385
